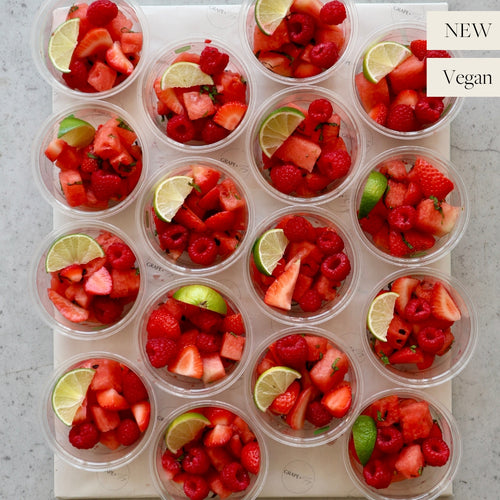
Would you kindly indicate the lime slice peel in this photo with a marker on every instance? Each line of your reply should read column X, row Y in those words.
column 183, row 429
column 269, row 14
column 62, row 44
column 170, row 194
column 269, row 249
column 272, row 383
column 381, row 58
column 380, row 314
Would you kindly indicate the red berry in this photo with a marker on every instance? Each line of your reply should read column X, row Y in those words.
column 133, row 390
column 161, row 351
column 429, row 109
column 389, row 439
column 417, row 310
column 436, row 452
column 203, row 250
column 311, row 301
column 181, row 129
column 329, row 242
column 292, row 350
column 324, row 54
column 439, row 54
column 84, row 436
column 104, row 185
column 402, row 118
column 333, row 12
column 402, row 218
column 298, row 228
column 377, row 474
column 208, row 342
column 334, row 164
column 336, row 267
column 196, row 487
column 120, row 256
column 233, row 323
column 318, row 414
column 211, row 132
column 234, row 477
column 161, row 324
column 430, row 339
column 90, row 161
column 250, row 457
column 173, row 237
column 419, row 48
column 78, row 75
column 196, row 461
column 128, row 432
column 286, row 178
column 106, row 310
column 213, row 61
column 102, row 12
column 320, row 110
column 301, row 28
column 170, row 464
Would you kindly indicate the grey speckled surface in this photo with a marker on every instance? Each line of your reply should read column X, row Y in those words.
column 26, row 346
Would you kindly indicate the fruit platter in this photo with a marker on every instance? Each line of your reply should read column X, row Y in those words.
column 292, row 471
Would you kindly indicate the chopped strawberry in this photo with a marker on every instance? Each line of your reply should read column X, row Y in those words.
column 280, row 293
column 404, row 287
column 218, row 436
column 297, row 415
column 94, row 41
column 142, row 413
column 338, row 400
column 99, row 283
column 442, row 304
column 431, row 180
column 118, row 60
column 188, row 363
column 70, row 311
column 111, row 399
column 229, row 115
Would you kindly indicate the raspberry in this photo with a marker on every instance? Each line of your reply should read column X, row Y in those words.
column 318, row 414
column 292, row 350
column 120, row 256
column 419, row 48
column 161, row 324
column 196, row 487
column 211, row 132
column 377, row 473
column 174, row 237
column 208, row 342
column 402, row 118
column 213, row 61
column 429, row 109
column 402, row 218
column 84, row 436
column 372, row 223
column 439, row 54
column 170, row 464
column 301, row 28
column 90, row 162
column 234, row 477
column 298, row 228
column 181, row 129
column 317, row 182
column 324, row 54
column 250, row 457
column 106, row 310
column 196, row 461
column 329, row 242
column 436, row 452
column 286, row 178
column 127, row 432
column 102, row 12
column 310, row 301
column 417, row 310
column 161, row 351
column 205, row 320
column 104, row 185
column 333, row 12
column 389, row 439
column 336, row 267
column 133, row 389
column 430, row 339
column 334, row 164
column 320, row 110
column 78, row 75
column 203, row 250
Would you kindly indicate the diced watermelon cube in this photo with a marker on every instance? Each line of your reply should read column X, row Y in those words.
column 232, row 346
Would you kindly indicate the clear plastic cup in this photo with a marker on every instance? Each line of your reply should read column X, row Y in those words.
column 451, row 360
column 433, row 481
column 350, row 133
column 51, row 14
column 405, row 33
column 47, row 174
column 100, row 457
column 244, row 427
column 123, row 302
column 276, row 426
column 345, row 34
column 158, row 64
column 232, row 243
column 332, row 304
column 457, row 198
column 222, row 366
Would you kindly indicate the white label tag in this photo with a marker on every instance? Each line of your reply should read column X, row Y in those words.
column 463, row 30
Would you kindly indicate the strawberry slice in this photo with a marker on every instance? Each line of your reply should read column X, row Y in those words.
column 431, row 180
column 404, row 287
column 188, row 363
column 296, row 417
column 283, row 403
column 94, row 41
column 105, row 420
column 280, row 292
column 407, row 354
column 229, row 115
column 218, row 436
column 187, row 218
column 142, row 413
column 73, row 273
column 442, row 304
column 117, row 60
column 111, row 399
column 338, row 400
column 99, row 283
column 205, row 178
column 70, row 311
column 221, row 221
column 218, row 415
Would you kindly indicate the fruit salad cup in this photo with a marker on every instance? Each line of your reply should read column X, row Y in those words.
column 98, row 411
column 209, row 448
column 305, row 146
column 307, row 42
column 197, row 94
column 304, row 386
column 432, row 329
column 205, row 228
column 303, row 268
column 410, row 206
column 397, row 105
column 194, row 337
column 87, row 280
column 90, row 50
column 403, row 445
column 90, row 160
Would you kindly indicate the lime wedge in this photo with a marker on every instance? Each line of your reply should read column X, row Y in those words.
column 380, row 314
column 272, row 383
column 202, row 296
column 269, row 249
column 374, row 189
column 62, row 43
column 183, row 429
column 184, row 74
column 270, row 13
column 364, row 435
column 382, row 58
column 277, row 127
column 75, row 132
column 69, row 392
column 170, row 195
column 72, row 249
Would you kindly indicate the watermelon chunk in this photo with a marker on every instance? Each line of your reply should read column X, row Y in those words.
column 300, row 151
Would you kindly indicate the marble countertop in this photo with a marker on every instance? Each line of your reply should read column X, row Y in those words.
column 26, row 465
